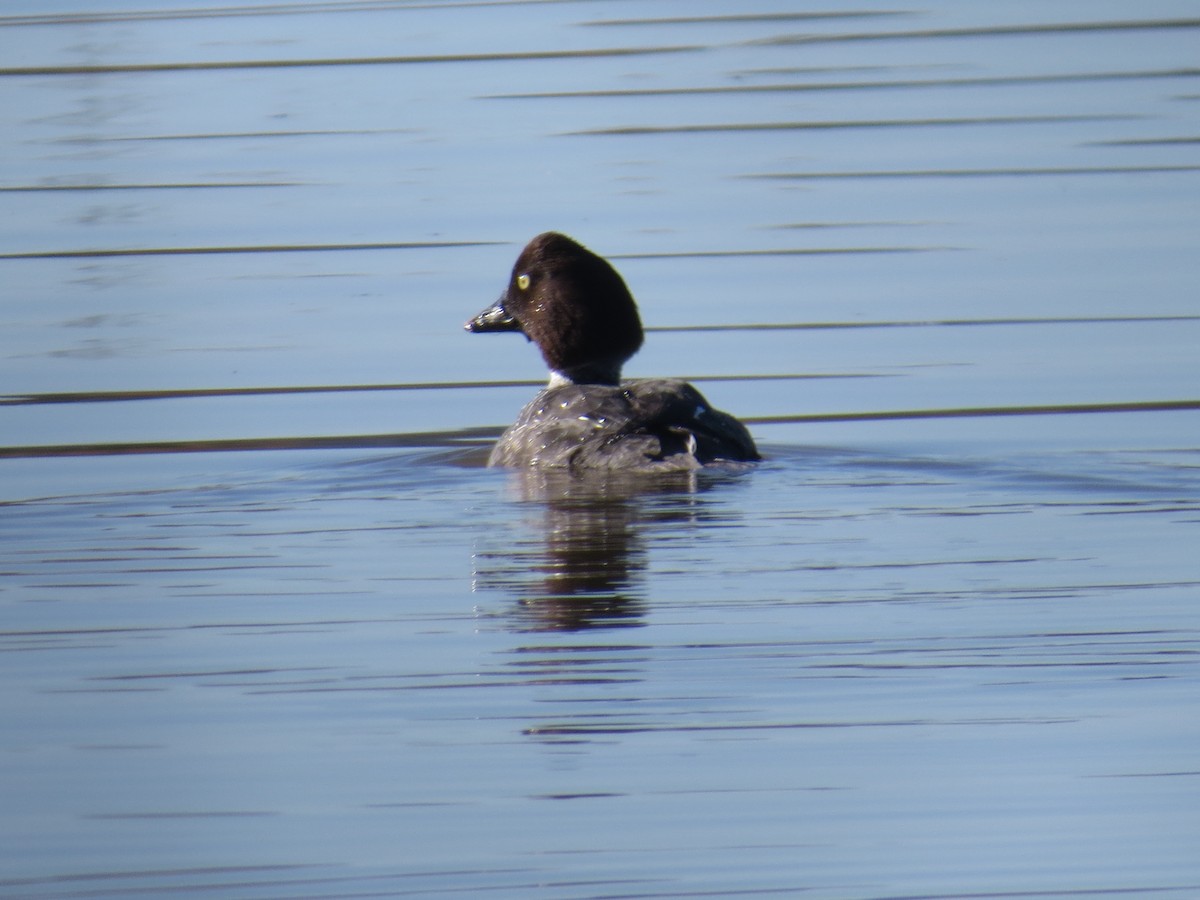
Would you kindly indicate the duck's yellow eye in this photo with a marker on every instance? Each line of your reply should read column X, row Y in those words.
column 523, row 281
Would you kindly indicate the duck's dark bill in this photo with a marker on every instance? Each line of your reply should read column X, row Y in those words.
column 494, row 318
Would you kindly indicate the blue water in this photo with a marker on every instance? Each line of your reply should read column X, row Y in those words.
column 268, row 627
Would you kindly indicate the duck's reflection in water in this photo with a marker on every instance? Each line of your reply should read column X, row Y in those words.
column 577, row 558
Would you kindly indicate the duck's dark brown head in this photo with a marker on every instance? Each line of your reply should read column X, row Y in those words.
column 573, row 305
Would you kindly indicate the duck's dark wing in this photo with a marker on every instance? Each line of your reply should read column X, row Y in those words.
column 675, row 410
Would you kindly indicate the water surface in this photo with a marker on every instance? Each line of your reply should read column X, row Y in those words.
column 271, row 630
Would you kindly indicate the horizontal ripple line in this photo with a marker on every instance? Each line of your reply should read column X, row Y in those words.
column 235, row 135
column 928, row 323
column 221, row 11
column 1052, row 28
column 748, row 17
column 794, row 251
column 177, row 186
column 589, row 728
column 470, row 435
column 979, row 173
column 237, row 64
column 188, row 393
column 982, row 412
column 193, row 393
column 1147, row 142
column 332, row 442
column 951, row 122
column 818, row 86
column 262, row 248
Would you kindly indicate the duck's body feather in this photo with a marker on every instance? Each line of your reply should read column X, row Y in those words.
column 652, row 425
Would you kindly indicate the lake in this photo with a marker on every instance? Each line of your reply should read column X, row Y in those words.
column 270, row 629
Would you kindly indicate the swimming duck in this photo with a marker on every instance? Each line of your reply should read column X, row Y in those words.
column 577, row 309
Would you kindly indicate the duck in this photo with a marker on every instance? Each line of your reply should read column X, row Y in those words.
column 579, row 312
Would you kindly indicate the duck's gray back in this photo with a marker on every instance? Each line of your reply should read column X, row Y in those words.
column 650, row 425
